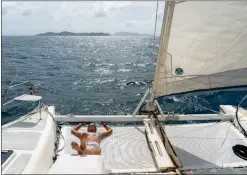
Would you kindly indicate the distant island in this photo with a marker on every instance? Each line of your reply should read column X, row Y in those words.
column 65, row 33
column 129, row 34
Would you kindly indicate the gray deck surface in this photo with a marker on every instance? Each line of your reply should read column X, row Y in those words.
column 206, row 145
column 222, row 171
column 21, row 140
column 19, row 164
column 22, row 137
column 31, row 123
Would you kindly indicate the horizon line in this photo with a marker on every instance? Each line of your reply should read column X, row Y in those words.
column 111, row 34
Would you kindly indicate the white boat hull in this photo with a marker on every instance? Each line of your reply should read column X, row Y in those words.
column 198, row 146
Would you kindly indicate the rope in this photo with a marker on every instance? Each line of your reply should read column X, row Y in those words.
column 157, row 7
column 46, row 109
column 236, row 116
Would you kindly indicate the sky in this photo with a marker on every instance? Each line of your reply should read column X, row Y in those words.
column 30, row 17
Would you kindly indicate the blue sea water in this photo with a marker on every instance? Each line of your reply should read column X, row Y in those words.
column 92, row 75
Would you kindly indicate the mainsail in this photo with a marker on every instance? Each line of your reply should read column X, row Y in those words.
column 203, row 45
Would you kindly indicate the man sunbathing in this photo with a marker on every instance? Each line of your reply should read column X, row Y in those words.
column 90, row 141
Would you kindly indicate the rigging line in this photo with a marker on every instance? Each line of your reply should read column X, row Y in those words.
column 202, row 107
column 192, row 42
column 225, row 50
column 226, row 137
column 157, row 7
column 236, row 116
column 242, row 100
column 239, row 62
column 224, row 141
column 28, row 115
column 211, row 110
column 223, row 61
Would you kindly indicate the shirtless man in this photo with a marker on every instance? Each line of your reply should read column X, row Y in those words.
column 90, row 141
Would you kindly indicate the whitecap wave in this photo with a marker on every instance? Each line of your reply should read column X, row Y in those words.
column 123, row 70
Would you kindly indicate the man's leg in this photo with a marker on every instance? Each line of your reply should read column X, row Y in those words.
column 83, row 145
column 82, row 148
column 76, row 147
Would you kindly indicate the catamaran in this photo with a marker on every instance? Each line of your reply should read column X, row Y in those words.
column 203, row 46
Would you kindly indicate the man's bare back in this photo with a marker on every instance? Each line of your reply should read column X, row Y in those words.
column 90, row 141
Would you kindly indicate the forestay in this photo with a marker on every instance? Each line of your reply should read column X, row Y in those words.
column 206, row 44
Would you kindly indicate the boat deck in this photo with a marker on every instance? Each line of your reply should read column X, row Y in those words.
column 125, row 149
column 205, row 146
column 22, row 138
column 200, row 147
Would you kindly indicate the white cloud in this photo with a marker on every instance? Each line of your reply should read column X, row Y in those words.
column 63, row 5
column 17, row 8
column 101, row 9
column 78, row 16
column 112, row 6
column 67, row 11
column 9, row 8
column 27, row 12
column 100, row 13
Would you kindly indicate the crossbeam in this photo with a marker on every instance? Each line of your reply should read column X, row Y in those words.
column 130, row 118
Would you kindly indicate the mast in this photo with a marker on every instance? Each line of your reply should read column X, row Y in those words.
column 164, row 40
column 162, row 74
column 165, row 33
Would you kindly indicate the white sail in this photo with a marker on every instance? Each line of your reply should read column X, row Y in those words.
column 206, row 45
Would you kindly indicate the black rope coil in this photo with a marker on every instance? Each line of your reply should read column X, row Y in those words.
column 240, row 151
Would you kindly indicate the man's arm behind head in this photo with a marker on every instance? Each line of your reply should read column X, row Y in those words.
column 107, row 132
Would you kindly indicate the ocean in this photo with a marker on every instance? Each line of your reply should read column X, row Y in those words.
column 93, row 76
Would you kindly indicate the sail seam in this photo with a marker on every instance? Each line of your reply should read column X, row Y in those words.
column 240, row 62
column 218, row 56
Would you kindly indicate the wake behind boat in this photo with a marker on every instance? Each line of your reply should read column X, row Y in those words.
column 197, row 52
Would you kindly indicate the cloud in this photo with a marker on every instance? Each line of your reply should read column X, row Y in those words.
column 67, row 11
column 131, row 24
column 86, row 16
column 9, row 8
column 27, row 12
column 112, row 6
column 18, row 8
column 64, row 5
column 100, row 13
column 101, row 9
